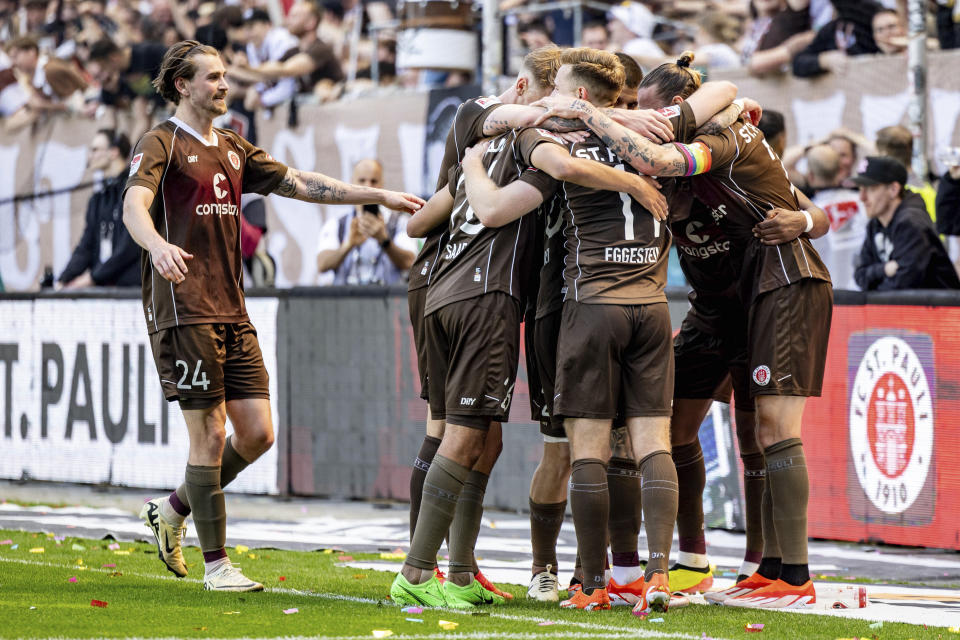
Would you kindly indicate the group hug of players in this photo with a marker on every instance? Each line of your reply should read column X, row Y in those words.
column 544, row 215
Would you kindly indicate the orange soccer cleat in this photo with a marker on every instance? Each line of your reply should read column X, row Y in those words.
column 743, row 587
column 656, row 595
column 625, row 594
column 777, row 595
column 489, row 586
column 597, row 601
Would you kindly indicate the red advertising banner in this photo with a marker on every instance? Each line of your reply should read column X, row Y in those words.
column 881, row 442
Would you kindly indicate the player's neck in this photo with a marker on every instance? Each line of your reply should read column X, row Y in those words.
column 201, row 123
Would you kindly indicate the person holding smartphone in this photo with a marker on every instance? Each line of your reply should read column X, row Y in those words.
column 367, row 245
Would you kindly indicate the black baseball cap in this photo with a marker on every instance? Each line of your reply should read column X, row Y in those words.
column 880, row 170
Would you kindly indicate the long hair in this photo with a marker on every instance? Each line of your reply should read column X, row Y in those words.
column 674, row 79
column 178, row 63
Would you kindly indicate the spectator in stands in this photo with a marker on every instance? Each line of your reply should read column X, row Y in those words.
column 534, row 34
column 595, row 35
column 312, row 61
column 33, row 85
column 716, row 34
column 774, row 130
column 778, row 31
column 889, row 32
column 848, row 220
column 124, row 73
column 948, row 206
column 368, row 245
column 902, row 249
column 267, row 43
column 631, row 31
column 633, row 76
column 847, row 148
column 897, row 142
column 850, row 34
column 948, row 24
column 106, row 256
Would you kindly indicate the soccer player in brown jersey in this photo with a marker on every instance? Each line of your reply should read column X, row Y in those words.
column 181, row 204
column 786, row 293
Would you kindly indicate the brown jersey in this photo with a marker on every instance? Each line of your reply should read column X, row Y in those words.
column 745, row 180
column 196, row 206
column 476, row 259
column 617, row 251
column 466, row 130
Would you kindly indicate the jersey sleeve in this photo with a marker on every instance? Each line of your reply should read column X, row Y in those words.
column 453, row 176
column 682, row 120
column 261, row 173
column 466, row 130
column 148, row 163
column 527, row 141
column 718, row 151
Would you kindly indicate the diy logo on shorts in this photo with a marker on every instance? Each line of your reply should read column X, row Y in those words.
column 891, row 418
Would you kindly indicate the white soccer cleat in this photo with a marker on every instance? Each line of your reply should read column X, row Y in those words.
column 168, row 537
column 229, row 578
column 544, row 586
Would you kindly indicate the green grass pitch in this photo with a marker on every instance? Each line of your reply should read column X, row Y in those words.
column 49, row 594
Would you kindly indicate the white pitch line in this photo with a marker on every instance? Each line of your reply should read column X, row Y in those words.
column 612, row 630
column 435, row 636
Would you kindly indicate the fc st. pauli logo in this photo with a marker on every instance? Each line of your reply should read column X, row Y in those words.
column 891, row 424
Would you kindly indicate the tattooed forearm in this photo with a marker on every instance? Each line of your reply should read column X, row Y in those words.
column 310, row 187
column 720, row 121
column 562, row 125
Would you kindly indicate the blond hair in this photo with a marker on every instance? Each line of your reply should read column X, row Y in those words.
column 601, row 72
column 542, row 64
column 178, row 63
column 674, row 79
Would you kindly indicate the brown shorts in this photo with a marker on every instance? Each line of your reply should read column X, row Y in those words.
column 545, row 342
column 788, row 333
column 416, row 300
column 708, row 364
column 612, row 355
column 201, row 365
column 472, row 352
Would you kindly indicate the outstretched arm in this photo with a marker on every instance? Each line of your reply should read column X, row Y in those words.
column 310, row 186
column 434, row 213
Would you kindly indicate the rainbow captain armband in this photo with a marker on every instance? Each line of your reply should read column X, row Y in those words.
column 697, row 155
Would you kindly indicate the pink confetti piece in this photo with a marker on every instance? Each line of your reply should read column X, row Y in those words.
column 289, row 611
column 98, row 603
column 756, row 627
column 345, row 558
column 108, row 566
column 3, row 542
column 412, row 610
column 72, row 579
column 546, row 623
column 113, row 546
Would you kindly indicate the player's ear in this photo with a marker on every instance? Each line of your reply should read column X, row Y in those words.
column 181, row 85
column 521, row 85
column 676, row 100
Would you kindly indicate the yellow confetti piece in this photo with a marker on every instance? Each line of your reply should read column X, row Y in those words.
column 446, row 625
column 328, row 550
column 49, row 535
column 392, row 556
column 252, row 556
column 382, row 633
column 231, row 613
column 121, row 553
column 79, row 560
column 954, row 629
column 242, row 548
column 37, row 550
column 359, row 576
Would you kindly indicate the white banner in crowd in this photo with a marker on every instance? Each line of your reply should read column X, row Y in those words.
column 80, row 400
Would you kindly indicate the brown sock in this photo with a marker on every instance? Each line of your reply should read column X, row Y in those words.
column 441, row 491
column 466, row 523
column 545, row 523
column 660, row 494
column 771, row 547
column 590, row 502
column 231, row 464
column 754, row 476
column 421, row 464
column 790, row 489
column 209, row 511
column 623, row 481
column 691, row 480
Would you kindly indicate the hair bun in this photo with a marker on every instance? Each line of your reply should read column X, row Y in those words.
column 685, row 59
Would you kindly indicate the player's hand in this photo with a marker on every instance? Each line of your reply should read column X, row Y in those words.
column 649, row 123
column 170, row 261
column 780, row 226
column 475, row 153
column 752, row 110
column 573, row 137
column 647, row 193
column 398, row 201
column 890, row 268
column 558, row 107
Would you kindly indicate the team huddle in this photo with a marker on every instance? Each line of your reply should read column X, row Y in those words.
column 547, row 216
column 550, row 168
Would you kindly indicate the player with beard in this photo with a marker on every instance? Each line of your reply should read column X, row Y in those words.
column 181, row 204
column 787, row 297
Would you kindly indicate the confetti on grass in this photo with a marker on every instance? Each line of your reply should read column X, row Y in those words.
column 98, row 603
column 756, row 627
column 289, row 611
column 546, row 623
column 414, row 620
column 113, row 546
column 344, row 558
column 446, row 625
column 241, row 548
column 3, row 542
column 381, row 633
column 37, row 550
column 412, row 610
column 72, row 579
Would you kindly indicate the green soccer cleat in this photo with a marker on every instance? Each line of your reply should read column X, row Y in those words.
column 428, row 594
column 470, row 596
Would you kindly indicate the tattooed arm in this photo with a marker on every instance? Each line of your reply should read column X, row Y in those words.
column 517, row 116
column 316, row 187
column 731, row 114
